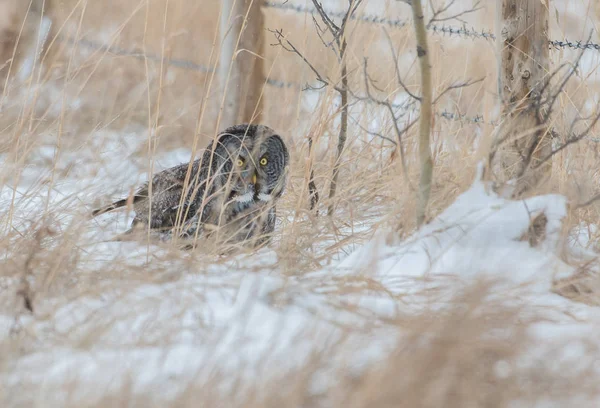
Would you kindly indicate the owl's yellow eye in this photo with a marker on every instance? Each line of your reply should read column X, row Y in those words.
column 263, row 161
column 240, row 162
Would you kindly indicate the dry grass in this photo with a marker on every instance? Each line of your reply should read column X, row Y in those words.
column 78, row 94
column 471, row 355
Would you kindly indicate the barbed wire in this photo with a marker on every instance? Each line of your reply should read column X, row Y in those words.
column 395, row 23
column 449, row 30
column 413, row 107
column 459, row 117
column 409, row 107
column 190, row 65
column 577, row 45
column 276, row 83
column 136, row 53
column 463, row 32
column 405, row 108
column 373, row 19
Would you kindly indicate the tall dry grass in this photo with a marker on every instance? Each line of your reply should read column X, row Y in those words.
column 476, row 353
column 70, row 97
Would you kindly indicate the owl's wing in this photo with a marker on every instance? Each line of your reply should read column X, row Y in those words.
column 165, row 192
column 168, row 188
column 140, row 195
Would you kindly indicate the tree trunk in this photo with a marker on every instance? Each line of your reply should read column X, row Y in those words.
column 523, row 138
column 240, row 67
column 426, row 112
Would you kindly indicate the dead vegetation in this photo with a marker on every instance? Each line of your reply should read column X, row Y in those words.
column 75, row 95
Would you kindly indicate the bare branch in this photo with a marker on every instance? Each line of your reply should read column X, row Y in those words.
column 397, row 67
column 352, row 6
column 554, row 96
column 587, row 203
column 313, row 192
column 399, row 132
column 343, row 127
column 320, row 32
column 438, row 18
column 333, row 28
column 370, row 132
column 291, row 48
column 570, row 141
column 458, row 85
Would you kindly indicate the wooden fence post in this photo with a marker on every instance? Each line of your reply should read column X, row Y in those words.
column 32, row 39
column 522, row 36
column 241, row 63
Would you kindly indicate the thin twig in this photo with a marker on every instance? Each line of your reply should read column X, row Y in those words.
column 458, row 85
column 399, row 132
column 570, row 141
column 397, row 67
column 343, row 128
column 437, row 13
column 313, row 192
column 372, row 133
column 291, row 48
column 587, row 203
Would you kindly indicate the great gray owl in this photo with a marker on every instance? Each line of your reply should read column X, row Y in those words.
column 230, row 193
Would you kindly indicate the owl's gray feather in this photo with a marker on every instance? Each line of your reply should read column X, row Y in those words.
column 230, row 192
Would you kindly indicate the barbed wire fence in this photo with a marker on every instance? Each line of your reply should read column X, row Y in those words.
column 459, row 32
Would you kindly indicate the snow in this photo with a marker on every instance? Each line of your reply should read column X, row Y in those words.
column 243, row 320
column 242, row 317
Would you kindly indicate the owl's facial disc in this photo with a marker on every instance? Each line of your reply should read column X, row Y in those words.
column 243, row 181
column 253, row 176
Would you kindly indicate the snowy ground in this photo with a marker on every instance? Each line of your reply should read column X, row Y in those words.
column 245, row 323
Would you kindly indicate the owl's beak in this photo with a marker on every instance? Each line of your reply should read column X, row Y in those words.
column 254, row 178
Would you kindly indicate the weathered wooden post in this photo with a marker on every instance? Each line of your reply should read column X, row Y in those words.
column 522, row 37
column 24, row 30
column 241, row 64
column 8, row 32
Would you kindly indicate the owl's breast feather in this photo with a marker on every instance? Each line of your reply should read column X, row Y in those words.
column 265, row 197
column 244, row 198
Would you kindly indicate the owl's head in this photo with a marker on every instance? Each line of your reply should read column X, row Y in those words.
column 253, row 163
